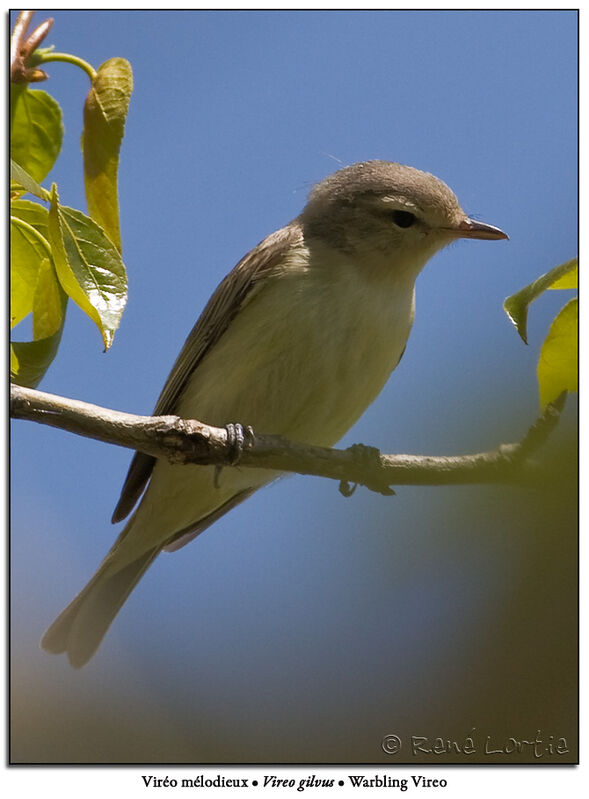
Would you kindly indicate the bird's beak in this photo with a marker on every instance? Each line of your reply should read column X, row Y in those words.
column 470, row 229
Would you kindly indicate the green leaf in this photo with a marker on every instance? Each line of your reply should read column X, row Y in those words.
column 31, row 212
column 36, row 130
column 26, row 254
column 105, row 111
column 49, row 303
column 516, row 306
column 570, row 280
column 21, row 177
column 29, row 360
column 88, row 266
column 557, row 365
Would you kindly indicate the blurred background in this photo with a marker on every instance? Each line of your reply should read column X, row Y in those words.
column 305, row 627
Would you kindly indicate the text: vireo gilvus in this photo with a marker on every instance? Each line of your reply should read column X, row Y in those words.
column 297, row 340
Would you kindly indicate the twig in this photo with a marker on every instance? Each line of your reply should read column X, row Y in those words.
column 189, row 441
column 22, row 48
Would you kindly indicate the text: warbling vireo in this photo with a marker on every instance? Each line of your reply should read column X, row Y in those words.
column 297, row 340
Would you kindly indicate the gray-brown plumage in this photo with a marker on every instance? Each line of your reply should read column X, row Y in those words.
column 297, row 340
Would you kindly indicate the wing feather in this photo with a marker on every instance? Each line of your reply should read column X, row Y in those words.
column 230, row 296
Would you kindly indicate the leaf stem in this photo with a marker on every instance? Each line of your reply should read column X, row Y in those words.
column 34, row 232
column 70, row 59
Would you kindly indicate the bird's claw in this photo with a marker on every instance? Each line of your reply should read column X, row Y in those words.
column 238, row 438
column 346, row 488
column 370, row 456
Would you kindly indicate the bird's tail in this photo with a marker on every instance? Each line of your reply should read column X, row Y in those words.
column 80, row 628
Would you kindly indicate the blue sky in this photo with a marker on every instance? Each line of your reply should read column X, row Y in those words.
column 234, row 116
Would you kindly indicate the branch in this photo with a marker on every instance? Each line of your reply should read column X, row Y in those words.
column 189, row 441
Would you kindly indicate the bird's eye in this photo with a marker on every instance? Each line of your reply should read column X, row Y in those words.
column 403, row 218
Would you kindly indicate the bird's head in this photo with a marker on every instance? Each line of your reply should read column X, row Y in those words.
column 388, row 211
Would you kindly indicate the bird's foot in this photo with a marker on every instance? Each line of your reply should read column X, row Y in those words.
column 238, row 438
column 346, row 488
column 370, row 457
column 364, row 453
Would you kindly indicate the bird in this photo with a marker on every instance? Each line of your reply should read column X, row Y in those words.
column 297, row 340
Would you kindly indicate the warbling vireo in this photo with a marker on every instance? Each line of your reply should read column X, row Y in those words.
column 297, row 340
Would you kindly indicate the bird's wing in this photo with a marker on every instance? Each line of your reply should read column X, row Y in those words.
column 230, row 296
column 183, row 537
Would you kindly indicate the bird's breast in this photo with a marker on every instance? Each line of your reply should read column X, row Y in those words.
column 306, row 355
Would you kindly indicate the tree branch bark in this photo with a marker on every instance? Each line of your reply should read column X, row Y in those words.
column 189, row 441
